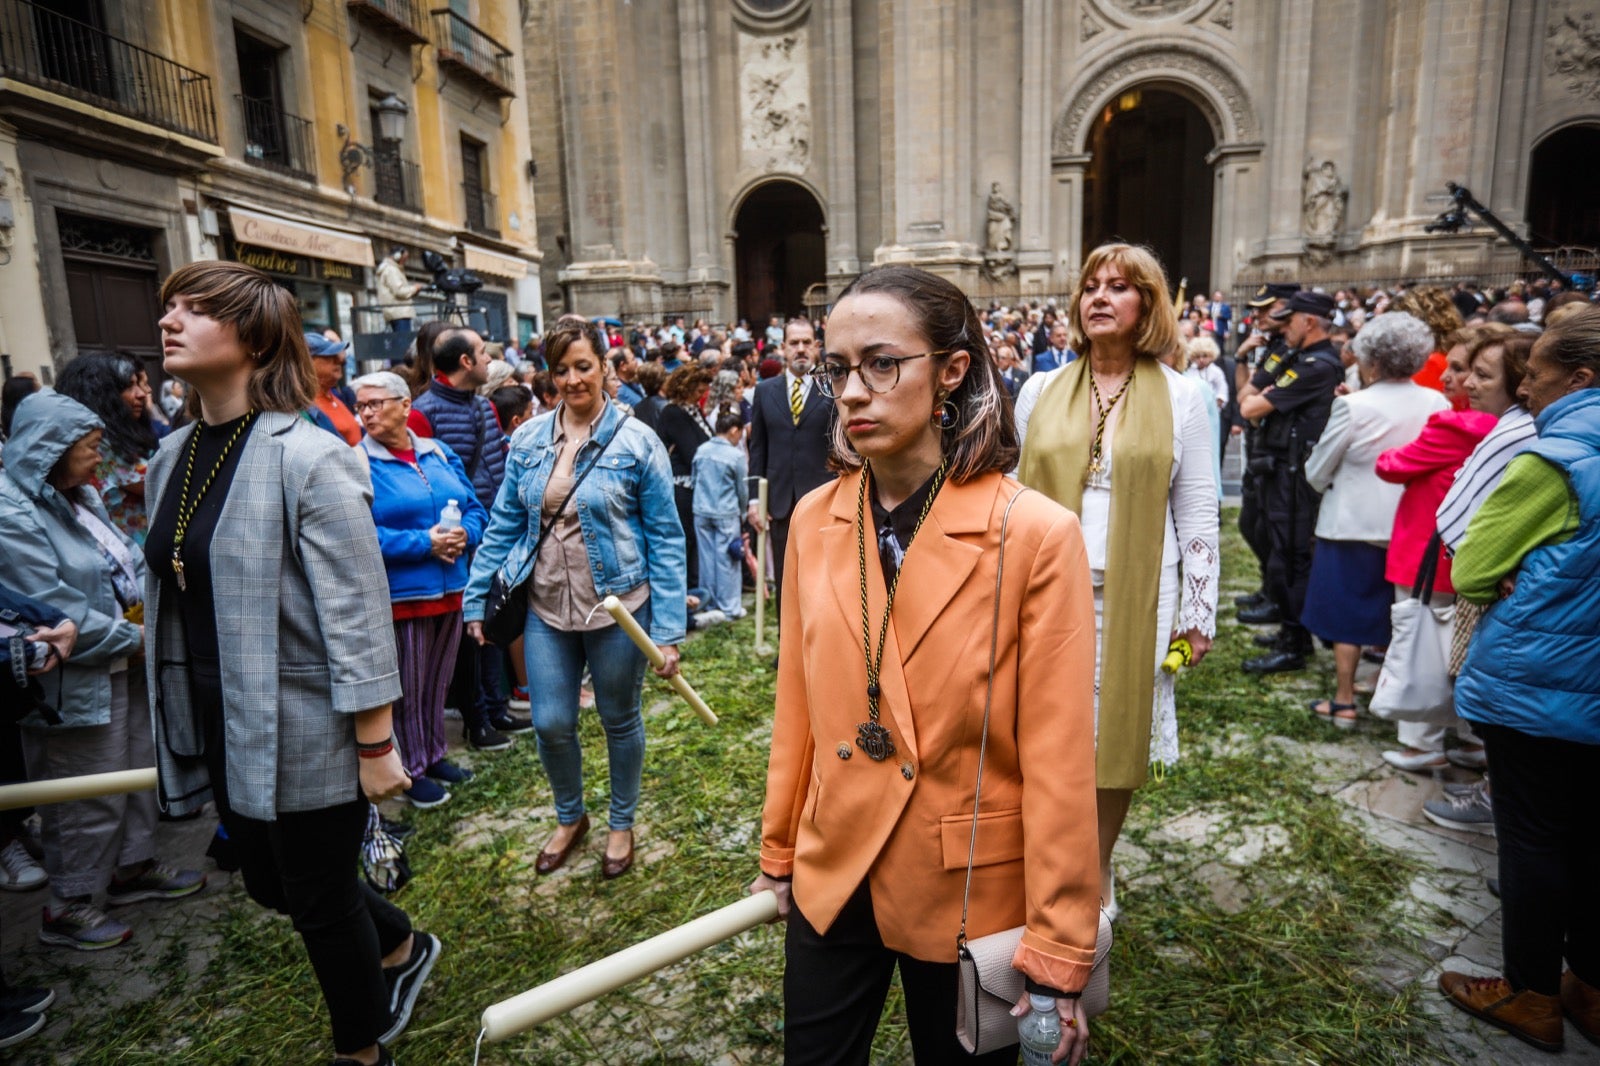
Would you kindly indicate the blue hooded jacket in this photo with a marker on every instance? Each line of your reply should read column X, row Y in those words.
column 406, row 501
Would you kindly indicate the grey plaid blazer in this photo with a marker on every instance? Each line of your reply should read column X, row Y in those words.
column 304, row 626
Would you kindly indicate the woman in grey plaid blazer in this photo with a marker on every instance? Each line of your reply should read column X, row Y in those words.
column 270, row 651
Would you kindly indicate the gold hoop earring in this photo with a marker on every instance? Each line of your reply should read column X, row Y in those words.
column 946, row 415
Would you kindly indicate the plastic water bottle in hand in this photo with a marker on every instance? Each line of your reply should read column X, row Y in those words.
column 450, row 517
column 1039, row 1031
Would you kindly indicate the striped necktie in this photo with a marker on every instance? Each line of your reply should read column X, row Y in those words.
column 797, row 401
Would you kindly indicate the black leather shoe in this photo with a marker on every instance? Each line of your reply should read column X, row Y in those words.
column 1278, row 662
column 1255, row 599
column 1265, row 615
column 1268, row 640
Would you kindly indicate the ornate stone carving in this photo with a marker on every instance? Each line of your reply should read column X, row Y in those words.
column 1323, row 199
column 1087, row 26
column 1151, row 62
column 1224, row 15
column 999, row 255
column 1572, row 51
column 775, row 101
column 1154, row 9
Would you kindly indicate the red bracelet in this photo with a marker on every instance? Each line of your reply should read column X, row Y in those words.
column 376, row 753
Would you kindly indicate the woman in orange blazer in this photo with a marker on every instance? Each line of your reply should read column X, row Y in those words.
column 871, row 783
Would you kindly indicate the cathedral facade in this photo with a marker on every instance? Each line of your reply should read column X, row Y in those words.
column 732, row 158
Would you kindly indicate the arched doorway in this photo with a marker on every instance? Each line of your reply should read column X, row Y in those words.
column 778, row 250
column 1562, row 208
column 1148, row 181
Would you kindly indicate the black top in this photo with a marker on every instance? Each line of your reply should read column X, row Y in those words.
column 682, row 431
column 1303, row 393
column 894, row 528
column 194, row 605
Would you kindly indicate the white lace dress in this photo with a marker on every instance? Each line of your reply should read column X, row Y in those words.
column 1190, row 556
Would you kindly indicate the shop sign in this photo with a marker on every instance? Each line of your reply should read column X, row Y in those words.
column 273, row 262
column 299, row 238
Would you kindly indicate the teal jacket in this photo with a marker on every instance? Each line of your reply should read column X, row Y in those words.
column 47, row 555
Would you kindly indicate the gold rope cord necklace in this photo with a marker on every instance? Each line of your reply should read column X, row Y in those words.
column 188, row 506
column 871, row 736
column 1103, row 412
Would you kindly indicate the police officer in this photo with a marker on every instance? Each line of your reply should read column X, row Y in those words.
column 1291, row 399
column 1265, row 343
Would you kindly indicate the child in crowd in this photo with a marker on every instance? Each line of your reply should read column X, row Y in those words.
column 513, row 405
column 721, row 494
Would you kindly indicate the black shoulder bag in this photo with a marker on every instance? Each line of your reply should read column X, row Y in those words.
column 505, row 611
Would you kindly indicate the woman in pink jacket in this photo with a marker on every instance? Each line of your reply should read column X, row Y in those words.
column 1427, row 467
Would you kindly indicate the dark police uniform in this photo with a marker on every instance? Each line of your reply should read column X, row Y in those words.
column 1252, row 492
column 1303, row 386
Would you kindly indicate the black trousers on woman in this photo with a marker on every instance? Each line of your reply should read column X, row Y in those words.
column 306, row 864
column 1545, row 797
column 834, row 985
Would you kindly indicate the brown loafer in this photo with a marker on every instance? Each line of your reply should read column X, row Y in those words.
column 551, row 861
column 1581, row 1001
column 1527, row 1015
column 613, row 868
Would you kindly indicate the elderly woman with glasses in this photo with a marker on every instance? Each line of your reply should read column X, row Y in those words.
column 414, row 482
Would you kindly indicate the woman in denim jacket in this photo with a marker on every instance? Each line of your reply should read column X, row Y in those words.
column 617, row 535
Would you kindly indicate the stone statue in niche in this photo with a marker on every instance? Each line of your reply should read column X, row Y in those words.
column 1324, row 197
column 1573, row 52
column 999, row 255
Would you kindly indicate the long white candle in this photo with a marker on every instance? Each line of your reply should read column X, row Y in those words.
column 630, row 626
column 62, row 789
column 574, row 989
column 761, row 565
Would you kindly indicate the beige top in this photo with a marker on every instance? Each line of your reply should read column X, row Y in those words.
column 563, row 593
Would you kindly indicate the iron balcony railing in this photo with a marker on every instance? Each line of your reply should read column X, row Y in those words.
column 275, row 139
column 396, row 182
column 482, row 214
column 403, row 19
column 464, row 47
column 76, row 60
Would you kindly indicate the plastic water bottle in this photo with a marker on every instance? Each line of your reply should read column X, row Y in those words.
column 1039, row 1031
column 450, row 517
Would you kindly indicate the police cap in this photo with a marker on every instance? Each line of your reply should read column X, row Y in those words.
column 1270, row 294
column 1306, row 302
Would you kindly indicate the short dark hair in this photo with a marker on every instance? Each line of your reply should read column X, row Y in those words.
column 651, row 377
column 451, row 349
column 510, row 401
column 729, row 420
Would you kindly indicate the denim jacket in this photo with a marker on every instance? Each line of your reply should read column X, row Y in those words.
column 720, row 486
column 625, row 509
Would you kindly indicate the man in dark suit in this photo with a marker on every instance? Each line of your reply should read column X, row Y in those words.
column 790, row 427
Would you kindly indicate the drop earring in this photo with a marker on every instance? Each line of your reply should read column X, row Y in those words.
column 946, row 414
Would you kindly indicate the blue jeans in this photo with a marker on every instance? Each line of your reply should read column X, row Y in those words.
column 719, row 572
column 556, row 659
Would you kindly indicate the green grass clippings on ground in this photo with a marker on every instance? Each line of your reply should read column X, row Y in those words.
column 1254, row 914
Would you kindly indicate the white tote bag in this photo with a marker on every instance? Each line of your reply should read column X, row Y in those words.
column 1415, row 684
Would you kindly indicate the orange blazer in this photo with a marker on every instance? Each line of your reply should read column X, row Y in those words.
column 833, row 817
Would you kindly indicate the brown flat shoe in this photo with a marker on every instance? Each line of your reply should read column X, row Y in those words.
column 1581, row 1001
column 1527, row 1015
column 551, row 861
column 613, row 868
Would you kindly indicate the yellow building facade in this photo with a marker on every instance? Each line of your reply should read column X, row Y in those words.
column 306, row 137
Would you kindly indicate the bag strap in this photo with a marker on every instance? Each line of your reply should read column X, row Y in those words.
column 1423, row 589
column 988, row 700
column 546, row 526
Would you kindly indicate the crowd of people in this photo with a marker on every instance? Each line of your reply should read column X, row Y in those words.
column 280, row 582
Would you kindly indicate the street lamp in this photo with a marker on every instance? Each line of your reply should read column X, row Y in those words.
column 391, row 128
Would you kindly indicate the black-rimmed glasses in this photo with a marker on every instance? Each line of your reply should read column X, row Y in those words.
column 372, row 405
column 879, row 373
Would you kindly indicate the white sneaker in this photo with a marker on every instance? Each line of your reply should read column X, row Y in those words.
column 18, row 871
column 1421, row 762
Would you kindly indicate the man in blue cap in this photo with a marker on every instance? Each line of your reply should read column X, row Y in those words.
column 1290, row 400
column 334, row 401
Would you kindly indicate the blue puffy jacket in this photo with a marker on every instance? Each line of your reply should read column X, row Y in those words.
column 467, row 422
column 406, row 502
column 1532, row 662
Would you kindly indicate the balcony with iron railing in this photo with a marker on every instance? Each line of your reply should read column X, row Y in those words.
column 483, row 215
column 396, row 182
column 402, row 20
column 82, row 63
column 464, row 49
column 275, row 139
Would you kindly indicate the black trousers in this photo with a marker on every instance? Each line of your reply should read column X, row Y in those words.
column 1253, row 519
column 684, row 498
column 306, row 864
column 1291, row 520
column 1545, row 793
column 834, row 985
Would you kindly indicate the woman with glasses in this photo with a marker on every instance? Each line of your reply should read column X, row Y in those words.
column 414, row 481
column 889, row 609
column 1125, row 443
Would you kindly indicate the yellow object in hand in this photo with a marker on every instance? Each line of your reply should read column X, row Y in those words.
column 1180, row 653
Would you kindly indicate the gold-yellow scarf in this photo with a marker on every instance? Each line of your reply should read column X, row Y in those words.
column 1054, row 459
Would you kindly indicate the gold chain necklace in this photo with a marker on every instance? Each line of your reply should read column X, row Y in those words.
column 1103, row 412
column 872, row 737
column 187, row 506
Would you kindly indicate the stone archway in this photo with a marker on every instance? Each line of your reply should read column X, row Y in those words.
column 1562, row 209
column 778, row 250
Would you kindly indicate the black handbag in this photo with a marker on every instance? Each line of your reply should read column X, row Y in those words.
column 505, row 609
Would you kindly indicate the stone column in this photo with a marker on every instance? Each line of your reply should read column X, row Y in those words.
column 1291, row 93
column 1067, row 213
column 24, row 330
column 1034, row 257
column 1235, row 222
column 834, row 19
column 705, row 261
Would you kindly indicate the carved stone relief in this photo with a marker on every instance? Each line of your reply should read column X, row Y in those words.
column 1323, row 199
column 1224, row 15
column 1572, row 52
column 1087, row 26
column 775, row 101
column 1150, row 63
column 1154, row 9
column 999, row 247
